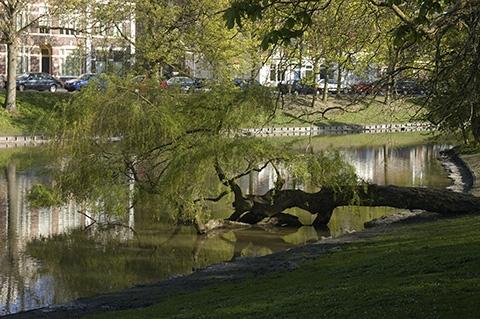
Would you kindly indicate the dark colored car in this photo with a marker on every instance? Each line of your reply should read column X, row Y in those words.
column 245, row 83
column 38, row 81
column 409, row 87
column 239, row 82
column 184, row 83
column 297, row 87
column 362, row 88
column 78, row 83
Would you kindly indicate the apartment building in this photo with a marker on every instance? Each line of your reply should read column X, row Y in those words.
column 68, row 44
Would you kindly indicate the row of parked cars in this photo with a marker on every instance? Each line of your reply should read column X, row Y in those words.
column 46, row 82
column 401, row 87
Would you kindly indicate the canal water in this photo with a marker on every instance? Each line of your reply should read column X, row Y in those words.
column 51, row 256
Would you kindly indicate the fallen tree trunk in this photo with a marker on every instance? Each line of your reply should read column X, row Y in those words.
column 322, row 203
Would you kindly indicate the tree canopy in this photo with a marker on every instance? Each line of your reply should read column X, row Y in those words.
column 188, row 147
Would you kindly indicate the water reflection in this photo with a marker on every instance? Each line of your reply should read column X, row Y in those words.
column 402, row 166
column 46, row 257
column 384, row 165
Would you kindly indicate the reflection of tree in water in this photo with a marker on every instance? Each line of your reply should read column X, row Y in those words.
column 255, row 243
column 84, row 263
column 258, row 241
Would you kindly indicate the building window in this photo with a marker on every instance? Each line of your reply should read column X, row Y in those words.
column 43, row 20
column 22, row 63
column 273, row 72
column 68, row 25
column 22, row 20
column 309, row 72
column 280, row 75
column 71, row 62
column 106, row 30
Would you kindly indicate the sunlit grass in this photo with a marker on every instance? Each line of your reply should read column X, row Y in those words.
column 297, row 111
column 32, row 110
column 429, row 270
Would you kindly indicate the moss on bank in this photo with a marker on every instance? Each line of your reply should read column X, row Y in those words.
column 429, row 270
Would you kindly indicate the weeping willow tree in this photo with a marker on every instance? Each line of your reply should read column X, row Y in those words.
column 188, row 149
column 172, row 143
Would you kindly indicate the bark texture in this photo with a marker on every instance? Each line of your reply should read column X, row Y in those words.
column 11, row 93
column 253, row 209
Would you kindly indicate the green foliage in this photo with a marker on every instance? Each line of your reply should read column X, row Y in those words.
column 455, row 81
column 325, row 168
column 165, row 140
column 432, row 41
column 42, row 196
column 172, row 35
column 168, row 142
column 286, row 23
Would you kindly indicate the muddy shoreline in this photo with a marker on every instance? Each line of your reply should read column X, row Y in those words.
column 243, row 268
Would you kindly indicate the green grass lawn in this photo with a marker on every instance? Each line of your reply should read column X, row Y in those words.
column 398, row 139
column 32, row 109
column 428, row 270
column 297, row 111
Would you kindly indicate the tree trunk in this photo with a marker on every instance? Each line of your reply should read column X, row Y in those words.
column 393, row 57
column 323, row 203
column 325, row 89
column 339, row 80
column 11, row 89
column 476, row 128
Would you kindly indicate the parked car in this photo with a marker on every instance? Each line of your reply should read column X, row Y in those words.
column 408, row 87
column 78, row 83
column 331, row 85
column 362, row 87
column 37, row 81
column 184, row 83
column 239, row 82
column 245, row 83
column 296, row 87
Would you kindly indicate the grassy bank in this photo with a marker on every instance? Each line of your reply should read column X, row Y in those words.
column 429, row 270
column 298, row 111
column 32, row 109
column 364, row 140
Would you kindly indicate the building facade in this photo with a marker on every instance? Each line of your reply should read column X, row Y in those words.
column 67, row 45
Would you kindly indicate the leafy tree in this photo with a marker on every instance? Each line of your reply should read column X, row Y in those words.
column 454, row 105
column 172, row 33
column 172, row 144
column 434, row 40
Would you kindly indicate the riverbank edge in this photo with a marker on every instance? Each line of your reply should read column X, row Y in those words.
column 318, row 130
column 472, row 162
column 459, row 171
column 141, row 296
